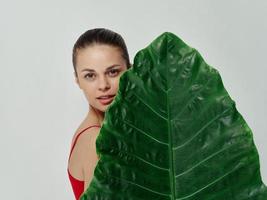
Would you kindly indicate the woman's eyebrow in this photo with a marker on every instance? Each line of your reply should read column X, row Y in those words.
column 110, row 67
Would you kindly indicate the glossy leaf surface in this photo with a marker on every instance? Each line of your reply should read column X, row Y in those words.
column 174, row 133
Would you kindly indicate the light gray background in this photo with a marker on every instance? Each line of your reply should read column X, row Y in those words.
column 41, row 106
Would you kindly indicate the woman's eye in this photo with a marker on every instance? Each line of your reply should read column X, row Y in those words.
column 90, row 76
column 113, row 72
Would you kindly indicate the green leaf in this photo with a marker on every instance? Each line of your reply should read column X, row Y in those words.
column 174, row 133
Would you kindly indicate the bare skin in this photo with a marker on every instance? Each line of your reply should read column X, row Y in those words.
column 99, row 68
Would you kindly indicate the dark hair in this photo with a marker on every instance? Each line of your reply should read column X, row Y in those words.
column 100, row 36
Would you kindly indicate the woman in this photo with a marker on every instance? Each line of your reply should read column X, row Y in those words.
column 99, row 57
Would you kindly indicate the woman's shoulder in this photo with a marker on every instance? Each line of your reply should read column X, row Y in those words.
column 85, row 130
column 85, row 136
column 83, row 147
column 89, row 132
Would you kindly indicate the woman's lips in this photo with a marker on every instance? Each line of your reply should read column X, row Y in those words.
column 106, row 100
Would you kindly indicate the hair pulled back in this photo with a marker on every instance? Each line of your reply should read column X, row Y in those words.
column 100, row 36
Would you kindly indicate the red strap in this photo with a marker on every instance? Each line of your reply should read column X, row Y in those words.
column 74, row 143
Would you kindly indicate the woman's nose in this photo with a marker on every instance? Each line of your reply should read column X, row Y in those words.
column 103, row 84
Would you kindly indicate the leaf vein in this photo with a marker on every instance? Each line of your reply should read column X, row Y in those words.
column 216, row 180
column 156, row 166
column 143, row 187
column 144, row 133
column 207, row 158
column 205, row 126
column 191, row 99
column 150, row 108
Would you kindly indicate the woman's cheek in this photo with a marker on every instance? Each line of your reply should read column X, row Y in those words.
column 89, row 93
column 116, row 83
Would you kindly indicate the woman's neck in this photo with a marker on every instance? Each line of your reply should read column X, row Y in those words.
column 97, row 115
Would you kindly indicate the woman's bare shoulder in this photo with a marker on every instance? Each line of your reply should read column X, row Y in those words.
column 89, row 157
column 89, row 135
column 84, row 129
column 83, row 151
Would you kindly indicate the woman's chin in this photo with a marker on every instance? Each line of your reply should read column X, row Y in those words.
column 102, row 108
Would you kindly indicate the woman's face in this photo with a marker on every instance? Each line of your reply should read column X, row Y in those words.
column 99, row 68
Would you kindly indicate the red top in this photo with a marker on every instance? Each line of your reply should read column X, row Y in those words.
column 77, row 185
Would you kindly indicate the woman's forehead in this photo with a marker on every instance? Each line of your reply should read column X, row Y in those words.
column 99, row 58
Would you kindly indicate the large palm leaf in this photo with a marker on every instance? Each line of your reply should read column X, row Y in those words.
column 173, row 133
